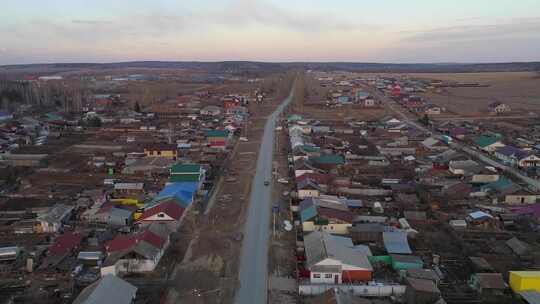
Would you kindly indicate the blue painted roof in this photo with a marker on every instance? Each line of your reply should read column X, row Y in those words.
column 396, row 242
column 308, row 213
column 183, row 192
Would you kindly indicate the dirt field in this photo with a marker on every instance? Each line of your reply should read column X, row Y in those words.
column 520, row 90
column 310, row 105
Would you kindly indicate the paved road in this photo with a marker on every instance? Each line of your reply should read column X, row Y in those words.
column 254, row 259
column 396, row 108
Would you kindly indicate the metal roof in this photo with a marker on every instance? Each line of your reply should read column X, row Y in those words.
column 321, row 245
column 107, row 290
column 396, row 242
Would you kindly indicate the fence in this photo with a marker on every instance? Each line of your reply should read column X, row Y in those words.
column 357, row 290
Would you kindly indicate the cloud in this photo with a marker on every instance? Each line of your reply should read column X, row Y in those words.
column 246, row 12
column 90, row 22
column 526, row 26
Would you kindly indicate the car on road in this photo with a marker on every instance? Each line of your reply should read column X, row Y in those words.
column 266, row 183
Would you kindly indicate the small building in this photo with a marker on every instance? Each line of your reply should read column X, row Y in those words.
column 211, row 110
column 404, row 262
column 432, row 110
column 521, row 197
column 420, row 291
column 187, row 173
column 129, row 189
column 396, row 242
column 53, row 220
column 488, row 284
column 216, row 138
column 488, row 143
column 109, row 289
column 9, row 253
column 498, row 107
column 161, row 150
column 524, row 280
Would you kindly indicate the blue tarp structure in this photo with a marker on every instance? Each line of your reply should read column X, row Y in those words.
column 396, row 242
column 182, row 192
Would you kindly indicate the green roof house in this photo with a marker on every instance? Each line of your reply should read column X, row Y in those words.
column 294, row 118
column 187, row 173
column 327, row 161
column 216, row 133
column 488, row 143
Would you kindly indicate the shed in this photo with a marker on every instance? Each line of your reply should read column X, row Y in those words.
column 420, row 291
column 404, row 262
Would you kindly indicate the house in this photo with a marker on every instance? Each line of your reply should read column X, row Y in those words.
column 498, row 107
column 229, row 102
column 183, row 193
column 239, row 111
column 216, row 138
column 334, row 259
column 421, row 291
column 120, row 216
column 65, row 244
column 458, row 133
column 521, row 197
column 524, row 280
column 168, row 212
column 161, row 150
column 488, row 143
column 132, row 190
column 53, row 220
column 433, row 144
column 187, row 173
column 327, row 161
column 368, row 102
column 517, row 157
column 109, row 289
column 432, row 110
column 487, row 284
column 211, row 110
column 308, row 188
column 139, row 252
column 368, row 232
column 5, row 116
column 464, row 167
column 318, row 218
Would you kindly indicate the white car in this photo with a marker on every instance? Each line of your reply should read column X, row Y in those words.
column 283, row 181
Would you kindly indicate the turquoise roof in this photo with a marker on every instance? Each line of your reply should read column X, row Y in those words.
column 308, row 213
column 328, row 159
column 484, row 141
column 294, row 118
column 216, row 133
column 499, row 185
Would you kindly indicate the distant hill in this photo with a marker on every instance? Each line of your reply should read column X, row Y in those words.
column 243, row 66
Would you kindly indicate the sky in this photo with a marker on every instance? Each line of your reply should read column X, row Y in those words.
column 398, row 31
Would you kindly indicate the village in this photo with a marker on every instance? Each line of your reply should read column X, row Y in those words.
column 404, row 207
column 103, row 198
